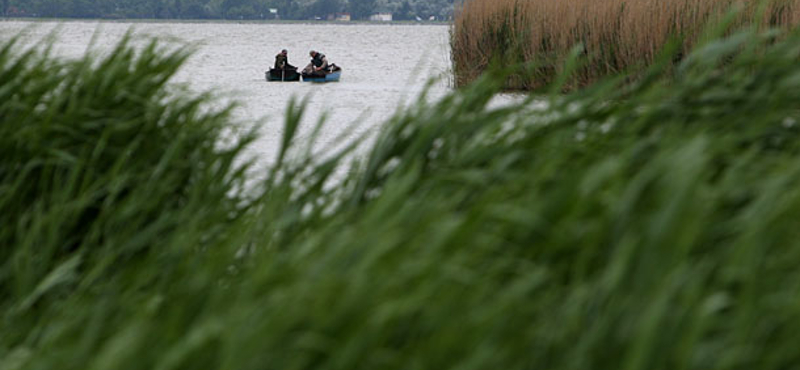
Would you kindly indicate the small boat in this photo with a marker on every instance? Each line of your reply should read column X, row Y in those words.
column 286, row 74
column 332, row 74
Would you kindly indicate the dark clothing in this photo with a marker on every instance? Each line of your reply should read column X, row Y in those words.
column 319, row 60
column 282, row 61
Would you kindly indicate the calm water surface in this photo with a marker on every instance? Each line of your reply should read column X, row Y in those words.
column 385, row 66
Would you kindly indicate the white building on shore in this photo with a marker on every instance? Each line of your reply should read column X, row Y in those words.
column 381, row 17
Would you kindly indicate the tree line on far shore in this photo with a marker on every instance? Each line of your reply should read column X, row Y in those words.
column 227, row 9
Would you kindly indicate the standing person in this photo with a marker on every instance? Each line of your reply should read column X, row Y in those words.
column 282, row 60
column 318, row 63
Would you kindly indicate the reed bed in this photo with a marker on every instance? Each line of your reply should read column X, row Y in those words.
column 625, row 226
column 614, row 35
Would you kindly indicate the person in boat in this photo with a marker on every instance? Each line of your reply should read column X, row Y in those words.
column 282, row 60
column 318, row 64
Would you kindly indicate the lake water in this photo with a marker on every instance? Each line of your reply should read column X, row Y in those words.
column 384, row 66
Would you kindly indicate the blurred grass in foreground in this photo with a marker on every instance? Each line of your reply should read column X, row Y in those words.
column 646, row 226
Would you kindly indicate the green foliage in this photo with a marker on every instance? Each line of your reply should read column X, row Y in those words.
column 361, row 9
column 102, row 168
column 323, row 8
column 635, row 226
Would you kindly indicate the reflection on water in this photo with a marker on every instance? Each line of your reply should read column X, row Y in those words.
column 384, row 65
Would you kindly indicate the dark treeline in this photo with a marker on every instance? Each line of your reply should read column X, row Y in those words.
column 227, row 9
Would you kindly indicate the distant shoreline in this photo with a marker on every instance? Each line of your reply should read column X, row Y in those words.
column 243, row 21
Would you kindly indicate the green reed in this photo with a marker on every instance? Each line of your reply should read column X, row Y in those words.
column 646, row 225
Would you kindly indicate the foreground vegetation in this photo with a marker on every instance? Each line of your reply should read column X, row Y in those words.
column 650, row 226
column 614, row 35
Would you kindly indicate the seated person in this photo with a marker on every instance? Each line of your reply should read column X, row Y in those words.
column 282, row 60
column 318, row 64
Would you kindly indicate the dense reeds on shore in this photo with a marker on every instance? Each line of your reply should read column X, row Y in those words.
column 636, row 228
column 614, row 35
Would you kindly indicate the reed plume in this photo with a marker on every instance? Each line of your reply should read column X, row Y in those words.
column 615, row 34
